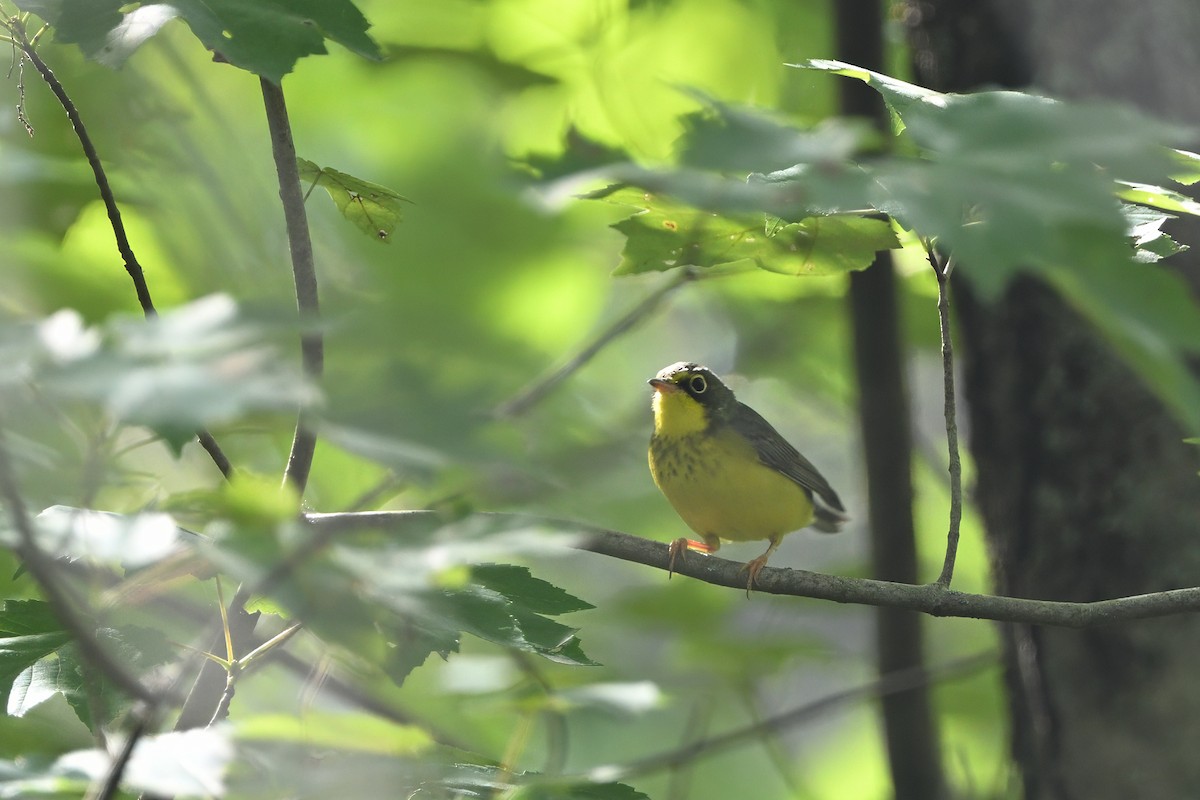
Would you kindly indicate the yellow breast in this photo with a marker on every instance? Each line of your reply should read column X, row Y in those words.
column 714, row 480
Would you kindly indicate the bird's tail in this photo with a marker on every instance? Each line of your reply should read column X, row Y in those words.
column 828, row 513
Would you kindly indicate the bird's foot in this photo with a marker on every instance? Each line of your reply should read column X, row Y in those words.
column 678, row 549
column 752, row 568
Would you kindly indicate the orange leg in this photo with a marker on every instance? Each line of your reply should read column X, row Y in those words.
column 680, row 546
column 754, row 566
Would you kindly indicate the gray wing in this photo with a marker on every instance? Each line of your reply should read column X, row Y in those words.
column 775, row 452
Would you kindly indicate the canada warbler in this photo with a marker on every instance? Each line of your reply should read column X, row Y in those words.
column 727, row 472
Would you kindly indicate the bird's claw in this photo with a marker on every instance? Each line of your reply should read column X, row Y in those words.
column 677, row 549
column 752, row 568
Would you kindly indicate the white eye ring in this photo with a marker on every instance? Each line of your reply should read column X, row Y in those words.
column 697, row 384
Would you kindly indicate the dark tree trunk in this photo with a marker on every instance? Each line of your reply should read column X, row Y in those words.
column 910, row 728
column 1084, row 483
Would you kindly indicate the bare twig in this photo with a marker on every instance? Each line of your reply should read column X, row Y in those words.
column 89, row 150
column 557, row 732
column 927, row 598
column 112, row 780
column 942, row 268
column 132, row 266
column 215, row 453
column 304, row 274
column 533, row 394
column 210, row 694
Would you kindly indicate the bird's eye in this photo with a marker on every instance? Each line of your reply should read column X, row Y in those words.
column 698, row 385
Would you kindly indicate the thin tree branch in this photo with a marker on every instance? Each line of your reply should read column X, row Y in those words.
column 533, row 394
column 899, row 681
column 112, row 780
column 93, row 157
column 942, row 268
column 132, row 266
column 209, row 697
column 927, row 598
column 215, row 453
column 304, row 275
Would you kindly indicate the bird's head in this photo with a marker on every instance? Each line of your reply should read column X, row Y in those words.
column 687, row 396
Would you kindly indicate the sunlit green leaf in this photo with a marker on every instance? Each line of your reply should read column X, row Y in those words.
column 666, row 235
column 1151, row 243
column 374, row 209
column 1187, row 169
column 1158, row 197
column 347, row 731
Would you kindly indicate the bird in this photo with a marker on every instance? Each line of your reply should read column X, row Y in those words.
column 727, row 472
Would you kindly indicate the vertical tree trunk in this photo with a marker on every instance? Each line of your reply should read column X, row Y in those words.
column 909, row 725
column 1084, row 483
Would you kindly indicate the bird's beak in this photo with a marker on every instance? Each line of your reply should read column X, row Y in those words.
column 661, row 386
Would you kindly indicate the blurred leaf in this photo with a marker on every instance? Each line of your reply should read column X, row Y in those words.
column 902, row 97
column 1158, row 197
column 347, row 731
column 106, row 538
column 518, row 585
column 373, row 209
column 266, row 37
column 579, row 155
column 256, row 500
column 383, row 449
column 1187, row 169
column 579, row 791
column 1150, row 243
column 1151, row 319
column 192, row 367
column 628, row 699
column 727, row 138
column 187, row 763
column 366, row 583
column 510, row 76
column 666, row 235
column 298, row 769
column 38, row 660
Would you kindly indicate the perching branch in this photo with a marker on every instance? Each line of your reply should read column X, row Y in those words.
column 132, row 266
column 942, row 268
column 932, row 599
column 532, row 394
column 304, row 274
